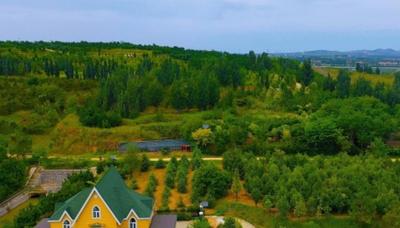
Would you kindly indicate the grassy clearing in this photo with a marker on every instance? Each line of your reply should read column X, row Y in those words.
column 70, row 137
column 8, row 218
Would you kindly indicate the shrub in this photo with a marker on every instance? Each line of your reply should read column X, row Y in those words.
column 165, row 198
column 165, row 151
column 145, row 164
column 181, row 175
column 183, row 216
column 151, row 185
column 171, row 173
column 100, row 167
column 200, row 223
column 180, row 204
column 92, row 116
column 160, row 164
column 230, row 222
column 134, row 184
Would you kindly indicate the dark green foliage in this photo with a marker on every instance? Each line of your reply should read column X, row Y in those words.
column 233, row 161
column 20, row 144
column 236, row 184
column 259, row 103
column 12, row 176
column 378, row 148
column 343, row 84
column 168, row 72
column 362, row 87
column 323, row 136
column 364, row 67
column 134, row 184
column 322, row 185
column 151, row 185
column 360, row 120
column 165, row 151
column 165, row 198
column 230, row 222
column 201, row 223
column 160, row 164
column 210, row 182
column 181, row 175
column 170, row 176
column 100, row 167
column 29, row 216
column 307, row 73
column 145, row 163
column 196, row 158
column 91, row 115
column 254, row 185
column 130, row 162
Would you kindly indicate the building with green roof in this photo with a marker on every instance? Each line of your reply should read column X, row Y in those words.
column 110, row 203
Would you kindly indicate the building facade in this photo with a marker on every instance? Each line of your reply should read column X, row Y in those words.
column 109, row 204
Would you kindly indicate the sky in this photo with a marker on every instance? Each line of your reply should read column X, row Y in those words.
column 225, row 25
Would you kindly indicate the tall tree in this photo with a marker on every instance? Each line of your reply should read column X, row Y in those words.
column 343, row 84
column 307, row 73
column 236, row 185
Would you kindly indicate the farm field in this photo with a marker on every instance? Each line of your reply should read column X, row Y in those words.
column 387, row 79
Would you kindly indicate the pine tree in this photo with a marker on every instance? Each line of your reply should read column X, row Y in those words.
column 307, row 74
column 197, row 158
column 343, row 84
column 236, row 185
column 145, row 164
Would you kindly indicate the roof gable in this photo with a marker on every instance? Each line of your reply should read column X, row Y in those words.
column 72, row 206
column 119, row 199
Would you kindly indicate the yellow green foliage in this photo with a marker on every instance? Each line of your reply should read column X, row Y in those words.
column 203, row 136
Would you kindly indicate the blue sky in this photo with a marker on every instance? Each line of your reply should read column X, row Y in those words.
column 229, row 25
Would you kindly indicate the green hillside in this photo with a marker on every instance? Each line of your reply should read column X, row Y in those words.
column 297, row 142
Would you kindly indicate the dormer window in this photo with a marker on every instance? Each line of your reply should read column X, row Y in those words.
column 66, row 224
column 132, row 223
column 96, row 212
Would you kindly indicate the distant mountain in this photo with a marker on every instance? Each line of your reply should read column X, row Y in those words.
column 377, row 53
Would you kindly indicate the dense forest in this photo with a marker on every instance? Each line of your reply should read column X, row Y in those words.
column 339, row 114
column 299, row 140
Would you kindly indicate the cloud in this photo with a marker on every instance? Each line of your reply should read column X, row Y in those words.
column 235, row 25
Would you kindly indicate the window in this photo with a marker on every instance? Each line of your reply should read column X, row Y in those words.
column 96, row 212
column 66, row 224
column 132, row 223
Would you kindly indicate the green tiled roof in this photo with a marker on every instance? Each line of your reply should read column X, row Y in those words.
column 119, row 198
column 72, row 205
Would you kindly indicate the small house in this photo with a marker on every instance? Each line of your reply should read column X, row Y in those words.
column 110, row 203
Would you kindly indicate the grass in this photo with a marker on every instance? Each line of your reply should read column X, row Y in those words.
column 8, row 218
column 70, row 137
column 260, row 217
